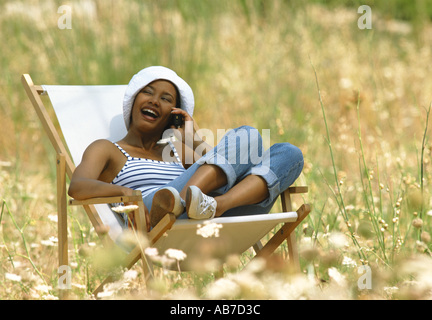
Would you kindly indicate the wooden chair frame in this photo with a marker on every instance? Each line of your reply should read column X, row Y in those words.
column 65, row 168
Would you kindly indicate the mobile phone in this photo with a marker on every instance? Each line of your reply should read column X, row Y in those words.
column 176, row 120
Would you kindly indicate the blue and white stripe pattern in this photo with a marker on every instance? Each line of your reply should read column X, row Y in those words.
column 147, row 175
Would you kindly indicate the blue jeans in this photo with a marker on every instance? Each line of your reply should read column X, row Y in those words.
column 239, row 154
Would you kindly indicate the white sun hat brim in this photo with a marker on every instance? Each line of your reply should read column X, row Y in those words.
column 147, row 76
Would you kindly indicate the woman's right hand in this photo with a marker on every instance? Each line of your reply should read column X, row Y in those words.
column 187, row 129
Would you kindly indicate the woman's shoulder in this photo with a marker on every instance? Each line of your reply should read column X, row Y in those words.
column 100, row 143
column 102, row 157
column 101, row 146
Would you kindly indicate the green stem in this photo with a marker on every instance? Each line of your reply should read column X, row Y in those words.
column 371, row 206
column 20, row 230
column 339, row 198
column 422, row 159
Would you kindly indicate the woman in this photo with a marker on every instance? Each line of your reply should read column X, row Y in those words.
column 216, row 184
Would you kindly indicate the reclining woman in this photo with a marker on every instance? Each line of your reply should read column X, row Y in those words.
column 217, row 183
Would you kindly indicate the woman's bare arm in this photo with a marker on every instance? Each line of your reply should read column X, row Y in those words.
column 90, row 178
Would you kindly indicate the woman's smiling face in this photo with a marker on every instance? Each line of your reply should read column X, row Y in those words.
column 153, row 105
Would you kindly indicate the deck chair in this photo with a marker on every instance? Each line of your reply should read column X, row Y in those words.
column 87, row 113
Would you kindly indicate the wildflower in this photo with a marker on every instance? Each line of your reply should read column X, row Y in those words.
column 124, row 209
column 421, row 246
column 417, row 223
column 425, row 237
column 345, row 83
column 349, row 207
column 105, row 294
column 151, row 252
column 175, row 254
column 338, row 240
column 13, row 277
column 209, row 229
column 130, row 275
column 43, row 288
column 79, row 286
column 391, row 290
column 5, row 163
column 51, row 242
column 223, row 289
column 348, row 262
column 53, row 217
column 335, row 275
column 256, row 265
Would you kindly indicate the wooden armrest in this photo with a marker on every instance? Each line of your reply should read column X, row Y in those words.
column 39, row 89
column 158, row 231
column 101, row 200
column 301, row 189
column 141, row 215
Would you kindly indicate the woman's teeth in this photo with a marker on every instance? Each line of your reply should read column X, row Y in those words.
column 151, row 112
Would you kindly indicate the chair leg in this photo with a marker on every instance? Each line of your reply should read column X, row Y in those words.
column 136, row 254
column 293, row 252
column 128, row 262
column 291, row 239
column 286, row 232
column 257, row 246
column 62, row 224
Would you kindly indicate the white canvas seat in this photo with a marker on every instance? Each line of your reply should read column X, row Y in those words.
column 88, row 113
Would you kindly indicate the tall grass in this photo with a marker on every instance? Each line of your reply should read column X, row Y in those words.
column 367, row 162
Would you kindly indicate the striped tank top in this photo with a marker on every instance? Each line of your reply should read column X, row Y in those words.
column 147, row 175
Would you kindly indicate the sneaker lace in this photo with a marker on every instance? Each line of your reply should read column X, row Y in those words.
column 207, row 204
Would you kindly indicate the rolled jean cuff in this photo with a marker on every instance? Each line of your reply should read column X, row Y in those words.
column 272, row 181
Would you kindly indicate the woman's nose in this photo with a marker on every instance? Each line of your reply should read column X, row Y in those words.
column 155, row 101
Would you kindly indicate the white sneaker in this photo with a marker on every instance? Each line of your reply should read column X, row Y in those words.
column 166, row 200
column 198, row 205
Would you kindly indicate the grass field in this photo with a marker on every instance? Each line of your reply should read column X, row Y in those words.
column 356, row 101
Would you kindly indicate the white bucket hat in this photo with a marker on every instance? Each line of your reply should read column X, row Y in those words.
column 148, row 75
